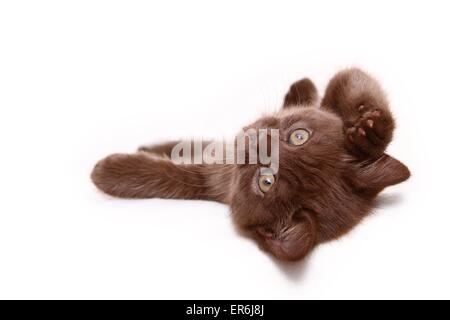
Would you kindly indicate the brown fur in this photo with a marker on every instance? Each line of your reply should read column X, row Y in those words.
column 323, row 188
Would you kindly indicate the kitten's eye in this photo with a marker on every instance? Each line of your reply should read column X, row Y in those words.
column 299, row 137
column 266, row 182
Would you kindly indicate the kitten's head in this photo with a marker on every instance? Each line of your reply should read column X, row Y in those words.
column 319, row 191
column 277, row 208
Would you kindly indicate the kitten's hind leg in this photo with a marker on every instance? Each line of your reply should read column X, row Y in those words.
column 301, row 93
column 361, row 103
column 163, row 149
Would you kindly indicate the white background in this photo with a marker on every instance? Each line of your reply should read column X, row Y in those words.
column 82, row 79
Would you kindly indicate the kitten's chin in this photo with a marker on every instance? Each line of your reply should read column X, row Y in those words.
column 289, row 250
column 293, row 243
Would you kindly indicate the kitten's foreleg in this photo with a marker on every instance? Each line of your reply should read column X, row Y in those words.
column 363, row 106
column 144, row 175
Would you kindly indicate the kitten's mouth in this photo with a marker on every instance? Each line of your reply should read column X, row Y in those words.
column 265, row 233
column 273, row 243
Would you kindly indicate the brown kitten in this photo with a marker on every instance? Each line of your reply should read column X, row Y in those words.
column 323, row 187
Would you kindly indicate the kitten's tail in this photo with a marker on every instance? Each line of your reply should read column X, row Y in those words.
column 149, row 175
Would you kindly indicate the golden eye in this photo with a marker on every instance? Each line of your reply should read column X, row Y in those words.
column 266, row 182
column 299, row 137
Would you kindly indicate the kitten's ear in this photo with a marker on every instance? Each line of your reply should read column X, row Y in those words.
column 301, row 93
column 380, row 173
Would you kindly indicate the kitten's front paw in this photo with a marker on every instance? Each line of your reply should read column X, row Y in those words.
column 370, row 134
